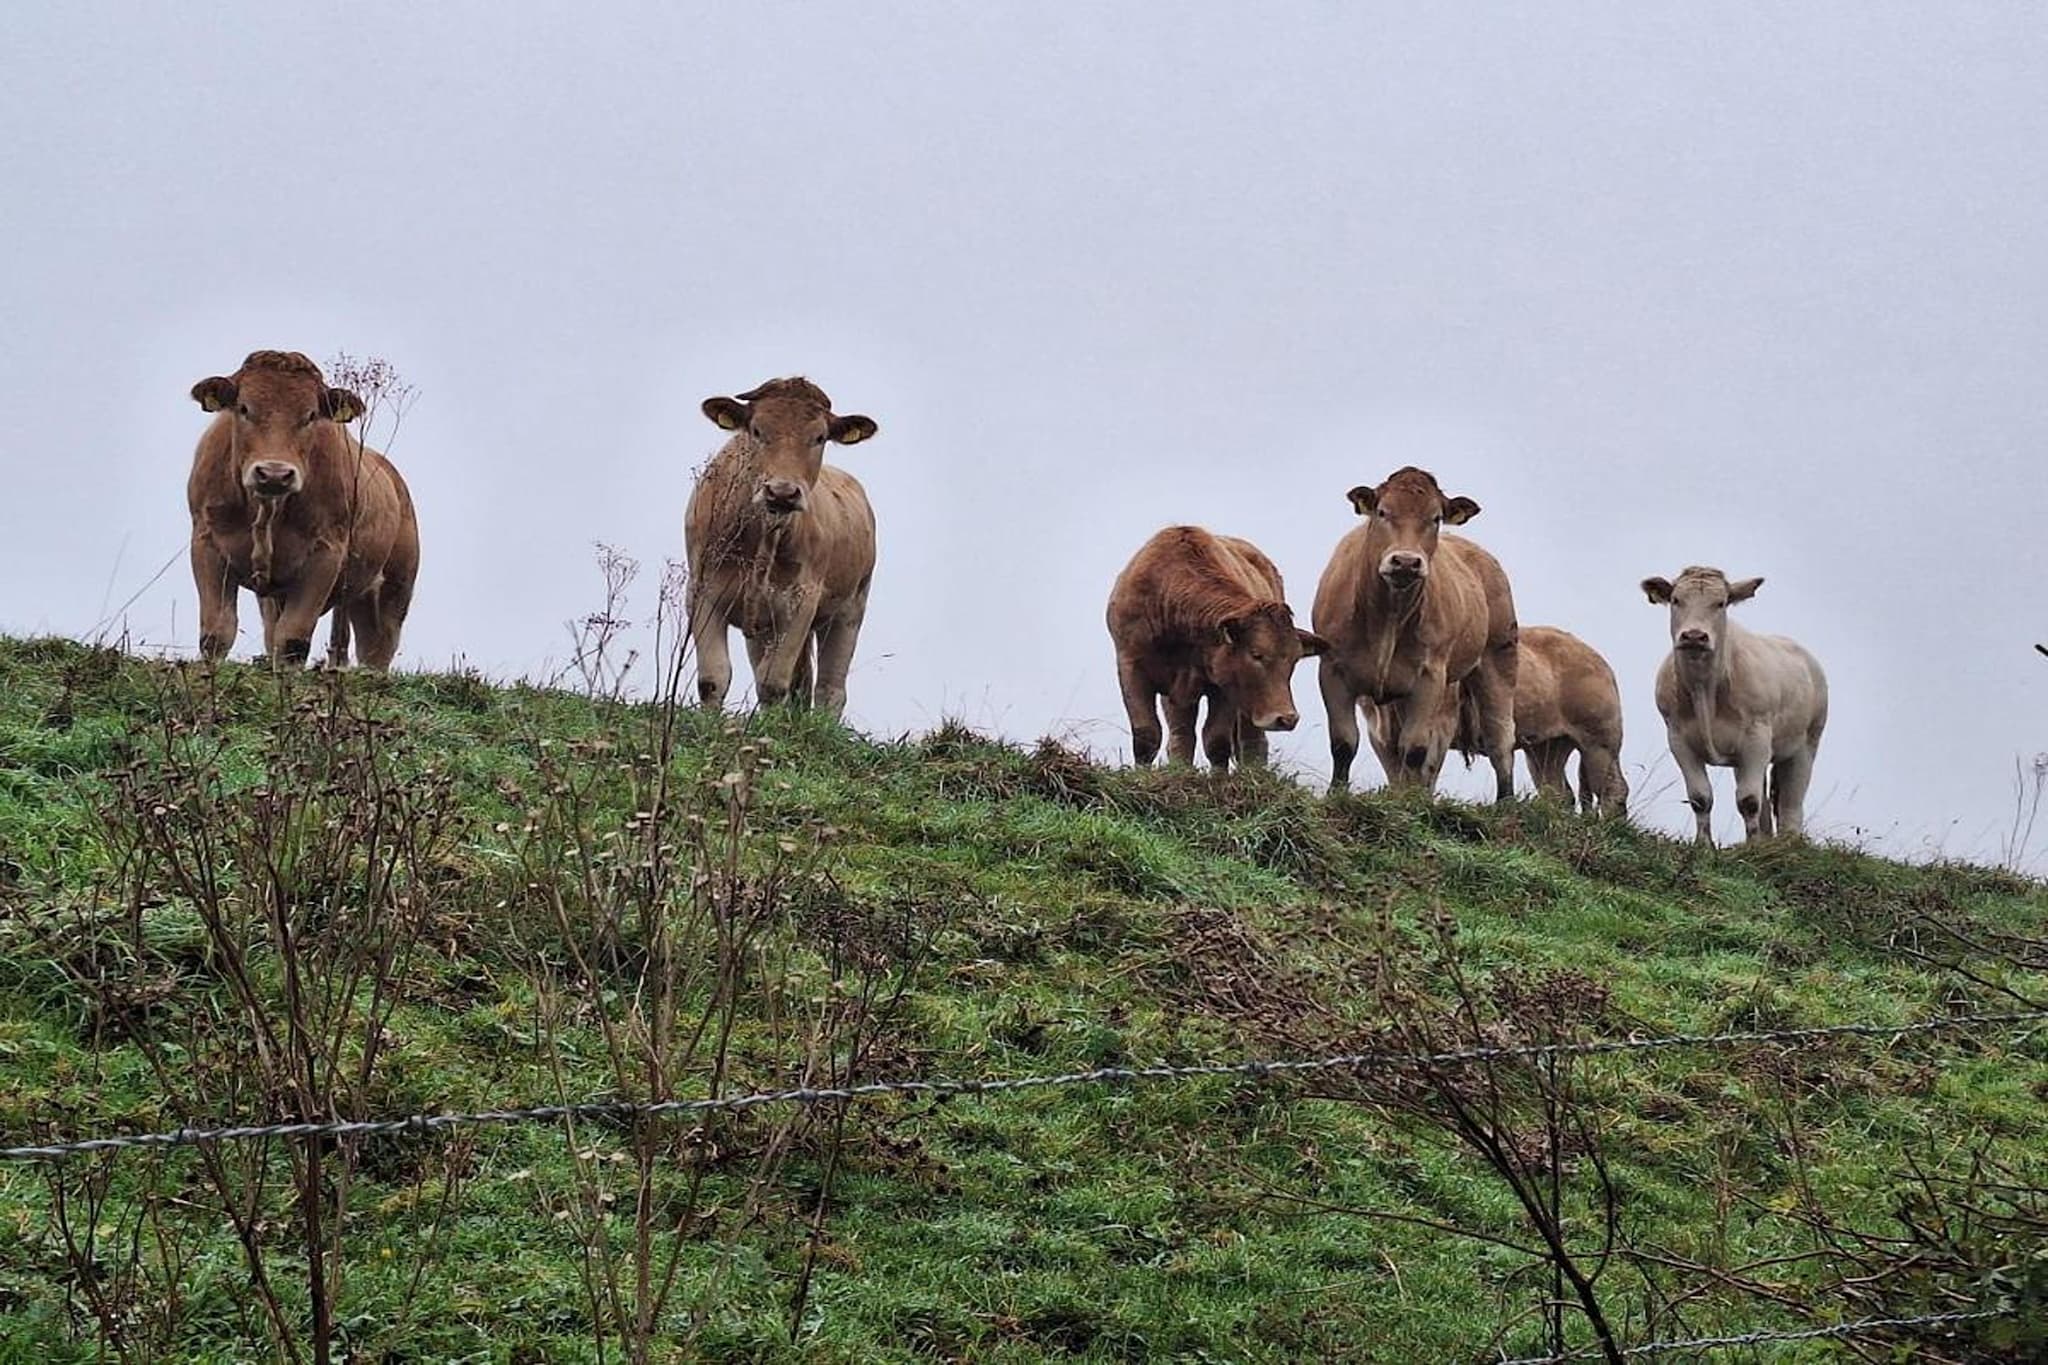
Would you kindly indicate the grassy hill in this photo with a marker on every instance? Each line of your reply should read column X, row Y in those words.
column 226, row 896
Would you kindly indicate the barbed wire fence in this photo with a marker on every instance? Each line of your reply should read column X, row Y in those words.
column 1256, row 1070
column 625, row 1110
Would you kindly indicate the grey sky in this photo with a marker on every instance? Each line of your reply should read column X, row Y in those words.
column 1760, row 287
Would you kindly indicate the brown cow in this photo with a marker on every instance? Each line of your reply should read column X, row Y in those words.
column 286, row 504
column 781, row 545
column 1196, row 615
column 1566, row 702
column 1408, row 611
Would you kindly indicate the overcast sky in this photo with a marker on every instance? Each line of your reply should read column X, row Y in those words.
column 1760, row 287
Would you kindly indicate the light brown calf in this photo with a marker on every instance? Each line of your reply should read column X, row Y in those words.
column 1408, row 612
column 1566, row 702
column 1198, row 616
column 286, row 504
column 781, row 545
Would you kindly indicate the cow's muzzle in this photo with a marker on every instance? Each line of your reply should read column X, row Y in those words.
column 780, row 497
column 1403, row 569
column 1694, row 642
column 272, row 479
column 1283, row 720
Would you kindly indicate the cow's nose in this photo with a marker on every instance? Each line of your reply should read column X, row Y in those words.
column 782, row 492
column 273, row 474
column 1286, row 720
column 1402, row 563
column 1696, row 639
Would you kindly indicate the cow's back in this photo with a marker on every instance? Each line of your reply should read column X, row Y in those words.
column 1250, row 566
column 1575, row 685
column 1184, row 579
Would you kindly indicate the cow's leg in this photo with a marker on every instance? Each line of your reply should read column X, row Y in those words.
column 1181, row 706
column 1699, row 789
column 775, row 667
column 1252, row 747
column 218, row 619
column 1421, row 752
column 803, row 678
column 1383, row 732
column 1340, row 709
column 710, row 627
column 1752, row 770
column 337, row 635
column 1790, row 777
column 378, row 616
column 1491, row 687
column 1600, row 780
column 1432, row 768
column 1141, row 704
column 836, row 639
column 1547, row 760
column 270, row 609
column 289, row 637
column 1219, row 735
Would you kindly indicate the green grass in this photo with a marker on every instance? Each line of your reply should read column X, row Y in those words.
column 1078, row 917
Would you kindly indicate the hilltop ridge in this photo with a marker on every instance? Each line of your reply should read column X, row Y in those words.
column 515, row 896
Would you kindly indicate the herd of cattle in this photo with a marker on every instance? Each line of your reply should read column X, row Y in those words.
column 1414, row 627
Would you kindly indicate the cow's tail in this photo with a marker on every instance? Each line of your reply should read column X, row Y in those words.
column 1471, row 737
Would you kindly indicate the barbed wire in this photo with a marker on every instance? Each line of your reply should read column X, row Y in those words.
column 616, row 1110
column 1861, row 1327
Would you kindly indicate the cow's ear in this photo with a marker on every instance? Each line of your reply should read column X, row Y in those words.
column 1658, row 590
column 1312, row 643
column 1364, row 500
column 1743, row 591
column 214, row 394
column 849, row 431
column 340, row 405
column 1458, row 511
column 729, row 414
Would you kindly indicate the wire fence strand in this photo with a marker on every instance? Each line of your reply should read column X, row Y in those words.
column 627, row 1110
column 1836, row 1331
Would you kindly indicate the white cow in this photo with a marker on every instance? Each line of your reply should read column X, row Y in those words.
column 1734, row 699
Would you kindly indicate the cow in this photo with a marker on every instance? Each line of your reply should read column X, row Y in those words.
column 1409, row 611
column 1566, row 702
column 780, row 544
column 1196, row 616
column 1735, row 699
column 287, row 504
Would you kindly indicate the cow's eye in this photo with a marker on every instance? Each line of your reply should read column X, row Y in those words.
column 241, row 409
column 309, row 419
column 819, row 439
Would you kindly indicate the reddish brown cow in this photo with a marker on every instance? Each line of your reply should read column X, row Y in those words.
column 1196, row 615
column 781, row 545
column 286, row 505
column 1408, row 611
